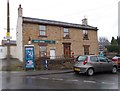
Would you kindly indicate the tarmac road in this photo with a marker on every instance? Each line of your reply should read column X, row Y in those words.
column 54, row 79
column 60, row 81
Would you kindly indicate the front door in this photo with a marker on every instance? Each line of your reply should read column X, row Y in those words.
column 67, row 52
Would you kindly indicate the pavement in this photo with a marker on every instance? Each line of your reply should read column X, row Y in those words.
column 37, row 73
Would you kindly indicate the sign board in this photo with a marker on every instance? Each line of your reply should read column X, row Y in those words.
column 44, row 41
column 29, row 56
column 8, row 34
column 8, row 37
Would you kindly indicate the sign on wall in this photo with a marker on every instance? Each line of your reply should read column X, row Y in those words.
column 29, row 56
column 44, row 41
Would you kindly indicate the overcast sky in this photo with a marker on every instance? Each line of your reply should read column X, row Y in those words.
column 100, row 13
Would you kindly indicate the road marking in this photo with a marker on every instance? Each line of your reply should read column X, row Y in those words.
column 107, row 83
column 30, row 77
column 57, row 79
column 73, row 80
column 89, row 81
column 44, row 78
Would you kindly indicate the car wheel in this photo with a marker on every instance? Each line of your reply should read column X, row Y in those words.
column 114, row 70
column 90, row 71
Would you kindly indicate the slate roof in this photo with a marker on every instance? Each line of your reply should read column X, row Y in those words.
column 57, row 23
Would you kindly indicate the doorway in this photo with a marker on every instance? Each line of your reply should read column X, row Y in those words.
column 66, row 50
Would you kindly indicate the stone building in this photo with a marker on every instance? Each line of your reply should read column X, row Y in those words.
column 55, row 38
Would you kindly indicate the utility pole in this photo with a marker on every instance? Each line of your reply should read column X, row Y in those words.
column 119, row 19
column 8, row 36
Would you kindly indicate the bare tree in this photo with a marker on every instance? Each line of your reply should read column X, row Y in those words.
column 103, row 40
column 103, row 43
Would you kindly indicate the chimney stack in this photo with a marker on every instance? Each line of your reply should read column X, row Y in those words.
column 84, row 21
column 20, row 11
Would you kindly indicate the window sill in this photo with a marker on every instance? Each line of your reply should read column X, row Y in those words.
column 85, row 39
column 42, row 36
column 66, row 37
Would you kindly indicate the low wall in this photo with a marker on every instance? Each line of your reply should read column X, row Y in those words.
column 3, row 52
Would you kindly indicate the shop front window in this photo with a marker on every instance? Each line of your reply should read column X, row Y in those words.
column 43, row 52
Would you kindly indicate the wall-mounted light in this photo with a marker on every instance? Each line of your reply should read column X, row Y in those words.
column 29, row 41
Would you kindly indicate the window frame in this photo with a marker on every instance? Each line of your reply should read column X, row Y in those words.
column 42, row 30
column 81, row 57
column 102, row 59
column 94, row 60
column 43, row 53
column 86, row 52
column 85, row 35
column 66, row 33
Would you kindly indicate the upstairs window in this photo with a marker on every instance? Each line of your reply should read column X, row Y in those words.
column 66, row 33
column 42, row 30
column 85, row 34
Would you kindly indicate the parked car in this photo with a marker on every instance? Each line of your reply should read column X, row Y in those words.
column 92, row 63
column 116, row 59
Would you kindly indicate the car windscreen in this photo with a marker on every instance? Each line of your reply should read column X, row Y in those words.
column 81, row 58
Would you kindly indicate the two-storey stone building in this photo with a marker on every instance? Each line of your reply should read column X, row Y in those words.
column 55, row 38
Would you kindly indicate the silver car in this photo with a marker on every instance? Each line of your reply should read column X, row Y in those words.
column 91, row 63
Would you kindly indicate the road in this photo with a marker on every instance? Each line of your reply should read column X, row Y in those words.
column 60, row 81
column 1, row 64
column 119, row 79
column 15, row 80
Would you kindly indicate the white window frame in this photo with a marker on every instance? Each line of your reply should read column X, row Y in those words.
column 66, row 32
column 85, row 34
column 43, row 52
column 42, row 29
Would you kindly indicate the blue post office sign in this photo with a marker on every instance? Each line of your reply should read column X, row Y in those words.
column 29, row 56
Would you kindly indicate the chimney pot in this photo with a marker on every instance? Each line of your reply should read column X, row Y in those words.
column 20, row 11
column 84, row 21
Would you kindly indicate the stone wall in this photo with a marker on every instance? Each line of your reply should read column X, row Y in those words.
column 56, row 33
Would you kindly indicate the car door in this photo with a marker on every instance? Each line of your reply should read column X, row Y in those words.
column 109, row 65
column 105, row 64
column 95, row 63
